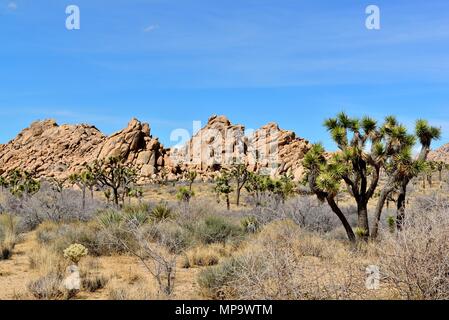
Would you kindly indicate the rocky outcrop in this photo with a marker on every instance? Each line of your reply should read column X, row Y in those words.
column 269, row 150
column 440, row 154
column 50, row 150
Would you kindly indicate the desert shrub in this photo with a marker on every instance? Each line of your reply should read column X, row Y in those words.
column 170, row 235
column 217, row 229
column 414, row 262
column 99, row 240
column 161, row 212
column 203, row 256
column 276, row 266
column 52, row 204
column 136, row 291
column 305, row 211
column 136, row 208
column 250, row 224
column 139, row 217
column 214, row 281
column 47, row 287
column 8, row 235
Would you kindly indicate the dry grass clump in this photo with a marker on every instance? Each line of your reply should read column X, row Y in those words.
column 205, row 256
column 136, row 291
column 92, row 279
column 282, row 263
column 415, row 261
column 51, row 267
column 8, row 235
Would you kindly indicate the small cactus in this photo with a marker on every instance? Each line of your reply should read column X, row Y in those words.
column 75, row 252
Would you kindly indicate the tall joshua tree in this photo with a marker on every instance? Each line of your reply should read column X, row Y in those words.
column 362, row 152
column 323, row 183
column 425, row 134
column 399, row 164
column 241, row 175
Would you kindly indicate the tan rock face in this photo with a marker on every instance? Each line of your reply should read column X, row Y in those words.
column 440, row 154
column 269, row 150
column 51, row 150
column 57, row 151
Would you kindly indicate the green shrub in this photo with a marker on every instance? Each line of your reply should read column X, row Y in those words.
column 134, row 208
column 214, row 280
column 169, row 234
column 216, row 229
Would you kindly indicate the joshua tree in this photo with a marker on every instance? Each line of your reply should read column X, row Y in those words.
column 112, row 173
column 425, row 134
column 190, row 177
column 223, row 186
column 399, row 165
column 241, row 175
column 22, row 183
column 185, row 195
column 354, row 164
column 440, row 166
column 323, row 184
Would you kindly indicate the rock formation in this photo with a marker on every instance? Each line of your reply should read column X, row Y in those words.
column 440, row 154
column 269, row 150
column 50, row 150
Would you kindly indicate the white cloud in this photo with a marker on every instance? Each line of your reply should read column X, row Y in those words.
column 12, row 6
column 151, row 28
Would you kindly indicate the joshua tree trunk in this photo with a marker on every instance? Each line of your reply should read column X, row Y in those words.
column 440, row 175
column 116, row 197
column 239, row 190
column 384, row 194
column 84, row 197
column 363, row 223
column 341, row 216
column 400, row 215
column 92, row 193
column 228, row 203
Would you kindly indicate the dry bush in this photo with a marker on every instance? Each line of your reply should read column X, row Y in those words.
column 136, row 291
column 415, row 261
column 99, row 240
column 306, row 211
column 92, row 279
column 51, row 268
column 8, row 235
column 278, row 265
column 151, row 249
column 204, row 256
column 47, row 287
column 50, row 204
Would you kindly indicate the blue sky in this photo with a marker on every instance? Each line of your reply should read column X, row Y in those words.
column 172, row 62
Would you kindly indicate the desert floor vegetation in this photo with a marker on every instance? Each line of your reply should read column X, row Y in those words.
column 275, row 244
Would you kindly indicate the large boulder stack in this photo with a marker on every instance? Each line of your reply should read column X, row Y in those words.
column 276, row 152
column 268, row 150
column 135, row 146
column 50, row 150
column 216, row 145
column 440, row 154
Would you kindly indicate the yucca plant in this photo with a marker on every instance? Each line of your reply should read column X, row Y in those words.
column 161, row 212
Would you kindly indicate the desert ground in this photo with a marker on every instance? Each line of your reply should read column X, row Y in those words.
column 297, row 249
